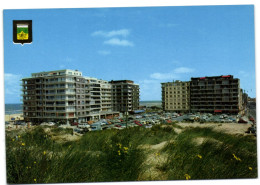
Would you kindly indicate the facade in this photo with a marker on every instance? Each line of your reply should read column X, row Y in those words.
column 176, row 96
column 216, row 94
column 66, row 96
column 125, row 95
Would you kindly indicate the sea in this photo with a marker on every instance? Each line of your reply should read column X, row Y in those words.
column 13, row 108
column 151, row 103
column 18, row 109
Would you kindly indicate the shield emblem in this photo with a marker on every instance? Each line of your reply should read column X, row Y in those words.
column 22, row 31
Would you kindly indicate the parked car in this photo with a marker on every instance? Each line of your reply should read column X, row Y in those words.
column 83, row 125
column 103, row 123
column 44, row 123
column 138, row 123
column 123, row 125
column 251, row 119
column 104, row 128
column 232, row 119
column 148, row 126
column 19, row 123
column 51, row 123
column 74, row 124
column 241, row 120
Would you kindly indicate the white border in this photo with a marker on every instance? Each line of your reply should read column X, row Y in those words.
column 32, row 4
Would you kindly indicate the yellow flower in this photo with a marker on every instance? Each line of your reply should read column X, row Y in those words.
column 119, row 153
column 187, row 176
column 34, row 162
column 250, row 168
column 19, row 136
column 34, row 180
column 237, row 158
column 199, row 156
column 157, row 154
column 13, row 139
column 23, row 144
column 119, row 144
column 26, row 167
column 44, row 153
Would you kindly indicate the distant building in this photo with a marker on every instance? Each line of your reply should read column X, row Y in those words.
column 216, row 94
column 176, row 96
column 125, row 95
column 66, row 96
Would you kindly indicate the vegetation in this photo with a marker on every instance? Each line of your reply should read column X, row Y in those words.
column 159, row 153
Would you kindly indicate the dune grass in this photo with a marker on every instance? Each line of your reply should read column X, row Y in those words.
column 115, row 155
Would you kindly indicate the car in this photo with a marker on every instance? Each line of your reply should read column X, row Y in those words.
column 148, row 126
column 7, row 123
column 78, row 130
column 138, row 123
column 51, row 123
column 103, row 123
column 241, row 120
column 20, row 123
column 117, row 125
column 123, row 125
column 74, row 124
column 44, row 123
column 143, row 122
column 83, row 125
column 188, row 119
column 251, row 119
column 104, row 128
column 232, row 119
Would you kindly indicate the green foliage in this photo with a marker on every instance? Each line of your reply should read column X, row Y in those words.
column 220, row 156
column 116, row 155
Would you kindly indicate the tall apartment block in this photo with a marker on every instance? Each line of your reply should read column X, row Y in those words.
column 215, row 94
column 66, row 96
column 125, row 95
column 176, row 96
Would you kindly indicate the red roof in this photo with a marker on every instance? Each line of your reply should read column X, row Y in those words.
column 225, row 76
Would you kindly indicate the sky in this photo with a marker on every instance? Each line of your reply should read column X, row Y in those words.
column 148, row 45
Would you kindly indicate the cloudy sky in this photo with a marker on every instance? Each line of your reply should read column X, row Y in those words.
column 148, row 45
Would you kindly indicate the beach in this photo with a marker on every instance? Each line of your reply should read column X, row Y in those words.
column 16, row 117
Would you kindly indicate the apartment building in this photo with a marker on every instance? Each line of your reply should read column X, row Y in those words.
column 176, row 96
column 66, row 96
column 215, row 94
column 125, row 95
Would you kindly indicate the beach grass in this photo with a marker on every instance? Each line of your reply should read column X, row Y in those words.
column 131, row 154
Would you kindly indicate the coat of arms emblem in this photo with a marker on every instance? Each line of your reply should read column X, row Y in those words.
column 22, row 31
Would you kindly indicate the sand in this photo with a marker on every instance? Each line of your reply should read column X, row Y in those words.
column 16, row 116
column 230, row 128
